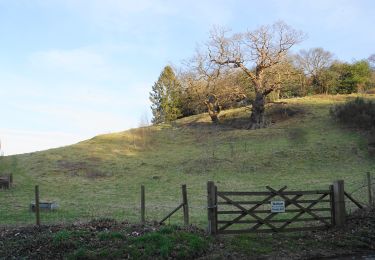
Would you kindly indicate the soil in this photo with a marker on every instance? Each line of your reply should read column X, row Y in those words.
column 355, row 240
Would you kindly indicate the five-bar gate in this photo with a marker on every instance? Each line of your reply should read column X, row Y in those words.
column 273, row 210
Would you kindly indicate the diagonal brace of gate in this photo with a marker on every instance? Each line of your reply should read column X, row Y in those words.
column 302, row 212
column 305, row 210
column 270, row 216
column 249, row 211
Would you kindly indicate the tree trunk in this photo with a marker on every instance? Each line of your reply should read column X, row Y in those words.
column 213, row 108
column 257, row 114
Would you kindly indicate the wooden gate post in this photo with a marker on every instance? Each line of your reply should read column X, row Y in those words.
column 332, row 204
column 339, row 203
column 370, row 198
column 211, row 208
column 37, row 209
column 185, row 205
column 143, row 204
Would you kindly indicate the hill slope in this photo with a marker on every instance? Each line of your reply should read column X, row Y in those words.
column 101, row 177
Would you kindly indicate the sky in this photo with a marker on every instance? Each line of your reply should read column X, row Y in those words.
column 73, row 69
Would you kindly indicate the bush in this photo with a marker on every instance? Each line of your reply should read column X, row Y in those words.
column 357, row 113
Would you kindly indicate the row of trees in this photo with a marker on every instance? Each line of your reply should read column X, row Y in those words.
column 253, row 67
column 325, row 75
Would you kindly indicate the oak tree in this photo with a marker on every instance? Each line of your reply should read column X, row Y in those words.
column 254, row 52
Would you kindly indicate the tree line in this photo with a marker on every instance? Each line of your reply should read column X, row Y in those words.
column 251, row 68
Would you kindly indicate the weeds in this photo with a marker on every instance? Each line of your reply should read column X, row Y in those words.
column 170, row 242
column 359, row 113
column 110, row 236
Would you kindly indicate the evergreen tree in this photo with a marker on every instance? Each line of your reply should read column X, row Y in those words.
column 351, row 78
column 165, row 97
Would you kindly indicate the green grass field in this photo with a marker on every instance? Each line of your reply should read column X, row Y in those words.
column 101, row 177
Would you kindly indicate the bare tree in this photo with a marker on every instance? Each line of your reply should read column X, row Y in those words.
column 210, row 74
column 254, row 52
column 313, row 62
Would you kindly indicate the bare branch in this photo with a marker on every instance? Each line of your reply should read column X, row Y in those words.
column 312, row 61
column 257, row 53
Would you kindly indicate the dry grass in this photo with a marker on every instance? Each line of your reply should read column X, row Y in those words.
column 101, row 177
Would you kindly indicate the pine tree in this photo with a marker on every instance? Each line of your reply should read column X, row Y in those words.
column 165, row 97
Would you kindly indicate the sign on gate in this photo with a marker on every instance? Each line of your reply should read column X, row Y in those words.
column 259, row 210
column 278, row 206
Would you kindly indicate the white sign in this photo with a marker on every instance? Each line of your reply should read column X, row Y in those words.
column 277, row 206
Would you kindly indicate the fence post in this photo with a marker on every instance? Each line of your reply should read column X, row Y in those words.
column 143, row 204
column 211, row 206
column 332, row 204
column 37, row 209
column 11, row 179
column 339, row 203
column 185, row 205
column 370, row 198
column 215, row 209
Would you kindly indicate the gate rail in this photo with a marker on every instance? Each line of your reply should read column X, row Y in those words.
column 233, row 212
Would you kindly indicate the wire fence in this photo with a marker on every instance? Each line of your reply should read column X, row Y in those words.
column 124, row 204
column 362, row 190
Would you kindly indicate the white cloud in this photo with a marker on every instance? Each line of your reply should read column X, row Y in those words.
column 80, row 91
column 120, row 64
column 76, row 60
column 150, row 16
column 14, row 141
column 82, row 62
column 93, row 112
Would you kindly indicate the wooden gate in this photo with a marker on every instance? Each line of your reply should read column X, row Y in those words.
column 231, row 212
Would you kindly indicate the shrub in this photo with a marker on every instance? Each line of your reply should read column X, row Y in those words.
column 357, row 113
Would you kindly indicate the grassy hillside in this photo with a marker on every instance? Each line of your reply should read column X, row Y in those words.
column 101, row 177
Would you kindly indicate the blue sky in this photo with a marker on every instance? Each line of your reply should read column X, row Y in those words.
column 72, row 69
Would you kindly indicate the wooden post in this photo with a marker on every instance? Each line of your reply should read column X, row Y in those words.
column 332, row 204
column 215, row 208
column 339, row 203
column 185, row 205
column 37, row 209
column 370, row 198
column 143, row 204
column 11, row 180
column 211, row 206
